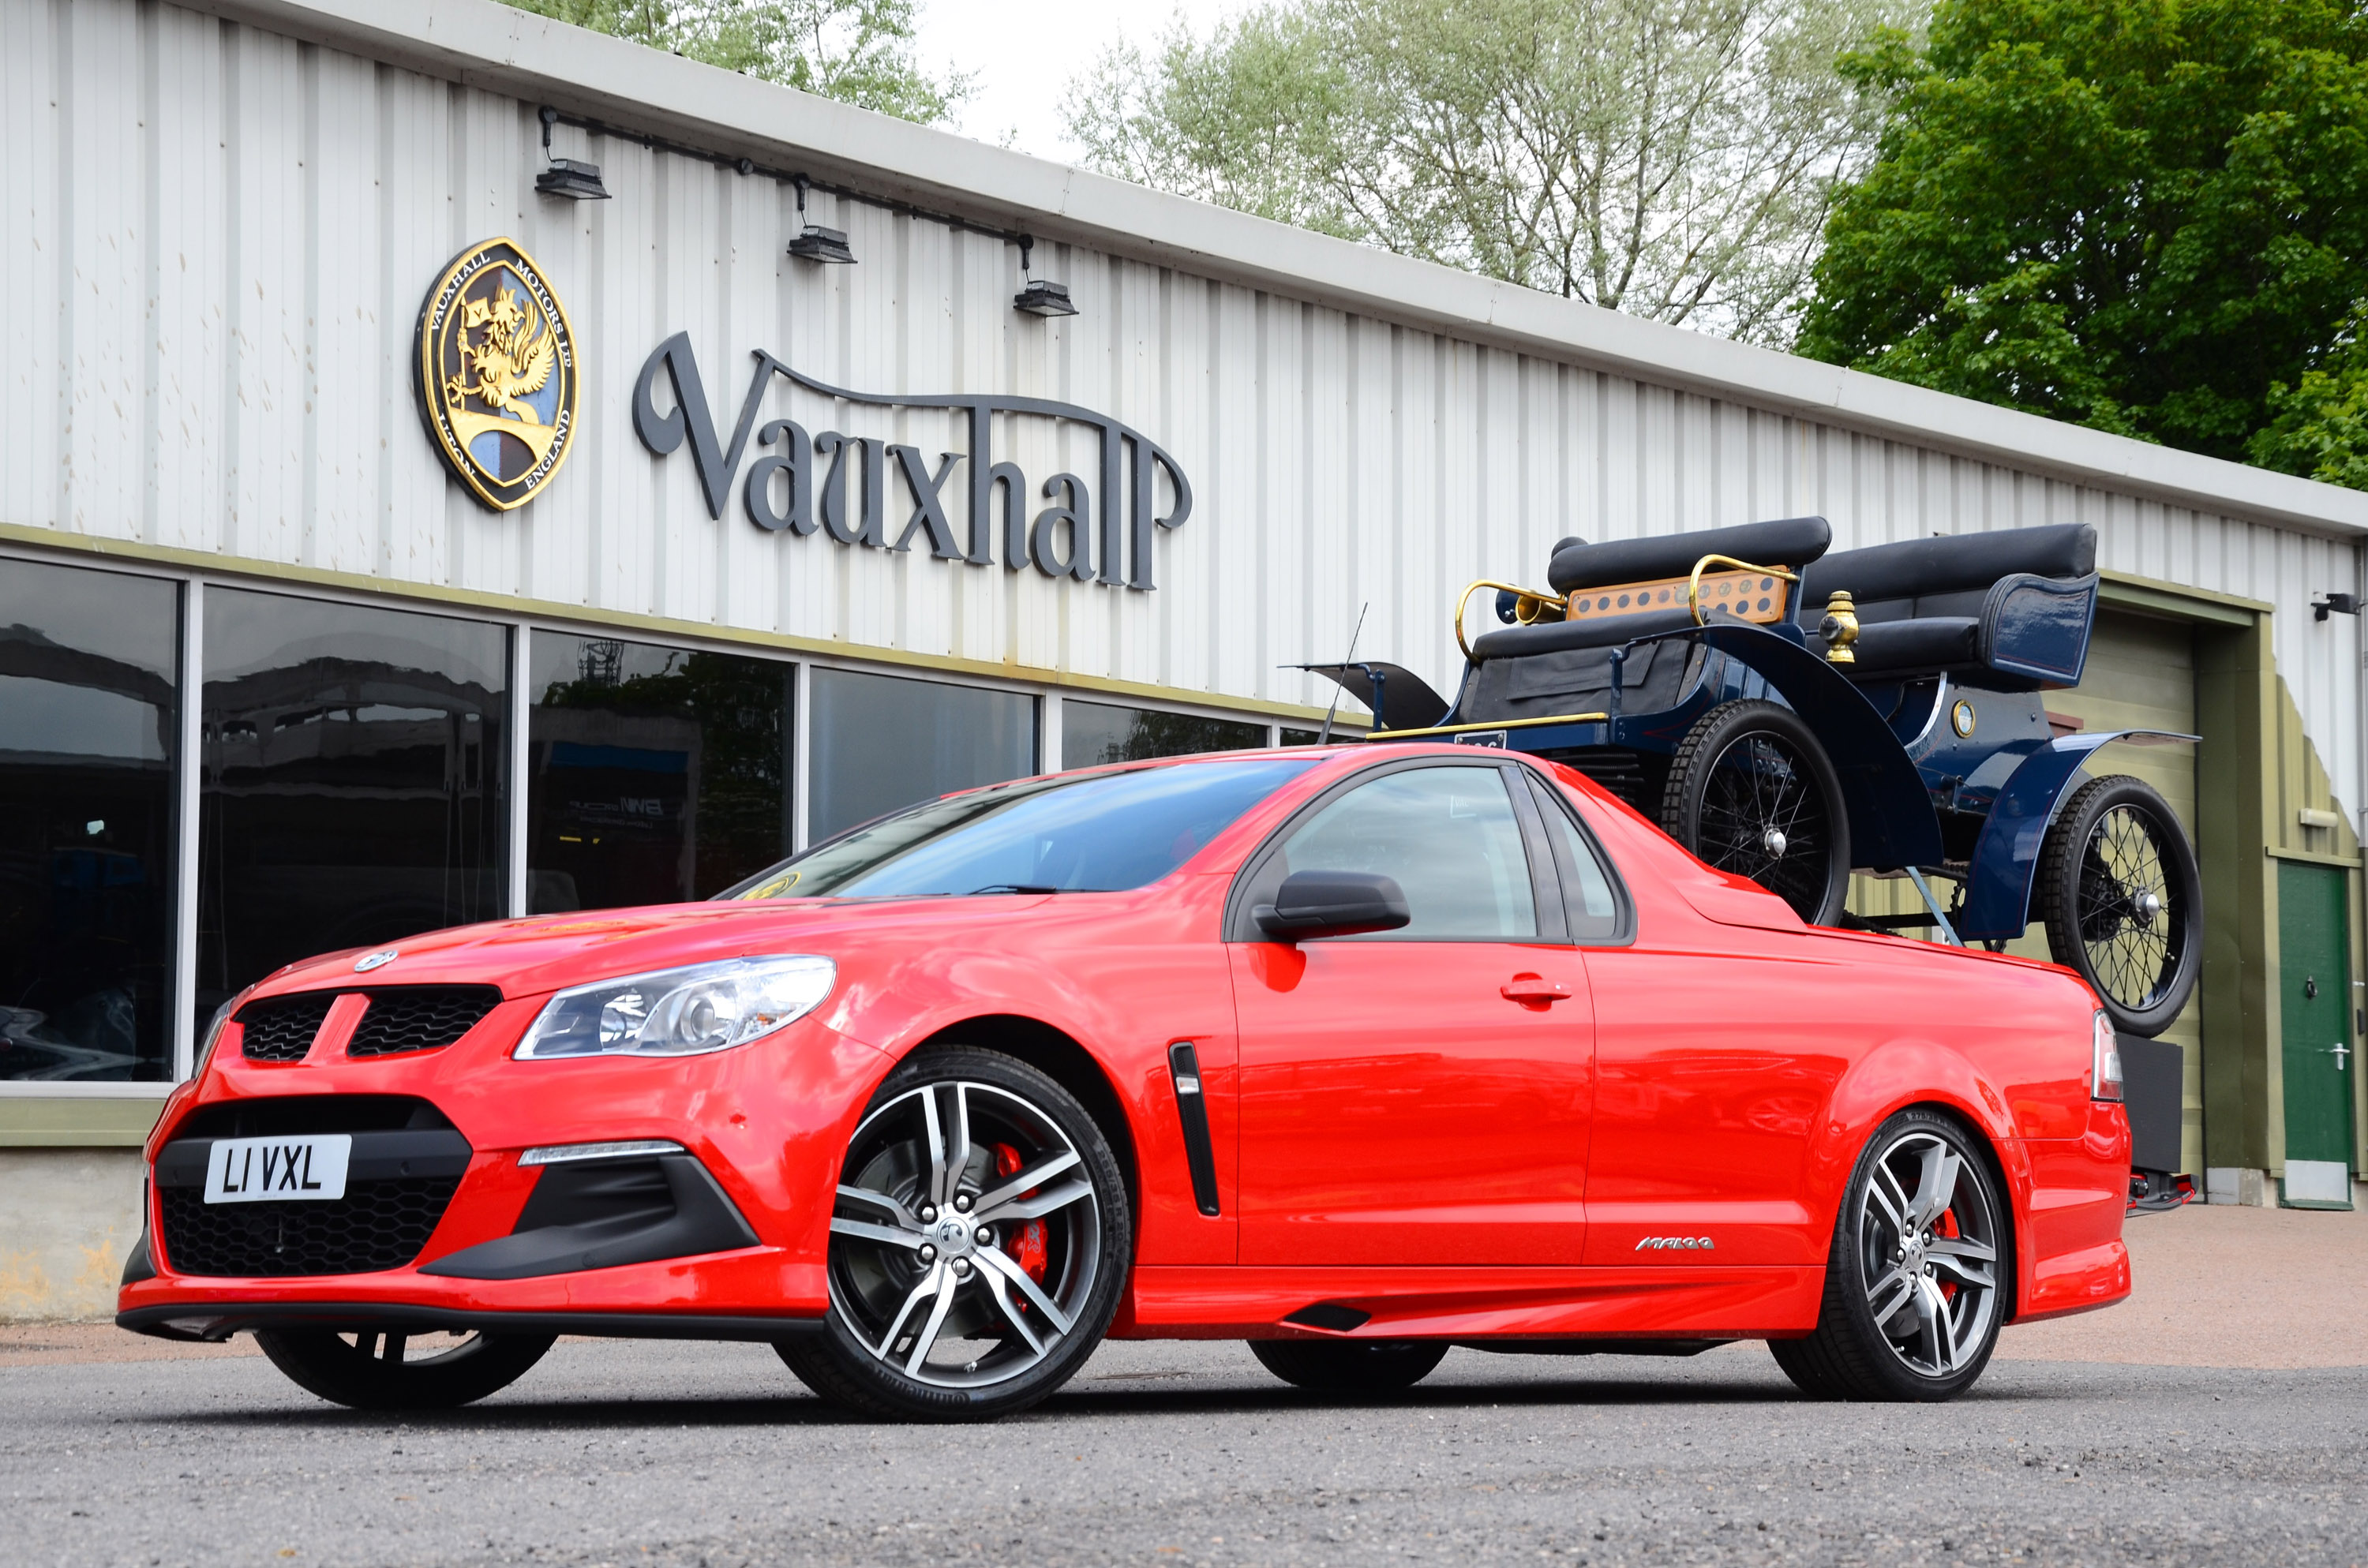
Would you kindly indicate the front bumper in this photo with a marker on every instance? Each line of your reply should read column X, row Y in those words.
column 734, row 1247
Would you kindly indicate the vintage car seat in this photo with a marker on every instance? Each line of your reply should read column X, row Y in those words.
column 2008, row 611
column 1628, row 588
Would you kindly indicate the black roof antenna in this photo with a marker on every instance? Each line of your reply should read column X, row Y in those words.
column 1324, row 739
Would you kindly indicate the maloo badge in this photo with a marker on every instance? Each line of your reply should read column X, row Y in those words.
column 497, row 373
column 378, row 960
column 1674, row 1244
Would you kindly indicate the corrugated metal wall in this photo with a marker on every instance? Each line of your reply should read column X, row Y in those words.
column 217, row 240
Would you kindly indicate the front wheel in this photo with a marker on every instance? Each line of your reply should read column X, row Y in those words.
column 1350, row 1365
column 978, row 1246
column 1921, row 1278
column 383, row 1370
column 1751, row 791
column 2123, row 900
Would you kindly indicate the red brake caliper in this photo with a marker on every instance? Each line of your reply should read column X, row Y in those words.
column 1025, row 1245
column 1947, row 1227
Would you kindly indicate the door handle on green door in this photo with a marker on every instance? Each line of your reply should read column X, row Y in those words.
column 1532, row 991
column 2339, row 1051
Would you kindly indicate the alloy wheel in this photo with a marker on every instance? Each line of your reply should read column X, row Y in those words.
column 1928, row 1238
column 965, row 1241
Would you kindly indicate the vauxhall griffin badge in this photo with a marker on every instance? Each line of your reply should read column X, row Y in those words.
column 497, row 373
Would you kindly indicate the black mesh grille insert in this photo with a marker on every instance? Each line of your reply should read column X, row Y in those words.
column 420, row 1017
column 281, row 1028
column 376, row 1225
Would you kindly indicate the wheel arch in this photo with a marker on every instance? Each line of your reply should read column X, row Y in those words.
column 1062, row 1058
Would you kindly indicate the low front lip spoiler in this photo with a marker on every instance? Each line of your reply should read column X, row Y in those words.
column 213, row 1322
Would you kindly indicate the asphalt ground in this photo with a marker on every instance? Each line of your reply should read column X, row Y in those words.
column 2218, row 1423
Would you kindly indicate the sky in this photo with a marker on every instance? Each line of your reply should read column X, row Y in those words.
column 1025, row 55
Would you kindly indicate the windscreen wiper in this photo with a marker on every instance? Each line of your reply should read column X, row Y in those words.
column 1009, row 887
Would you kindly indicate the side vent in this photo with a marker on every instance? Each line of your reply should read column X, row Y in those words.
column 1184, row 1068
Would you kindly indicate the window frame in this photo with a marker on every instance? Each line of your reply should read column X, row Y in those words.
column 1623, row 907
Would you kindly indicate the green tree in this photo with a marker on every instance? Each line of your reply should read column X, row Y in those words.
column 2318, row 427
column 1670, row 158
column 859, row 52
column 2137, row 215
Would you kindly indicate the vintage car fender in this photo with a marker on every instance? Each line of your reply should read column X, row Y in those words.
column 1997, row 891
column 1891, row 818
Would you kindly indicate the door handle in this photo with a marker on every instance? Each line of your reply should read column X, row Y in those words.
column 2339, row 1051
column 1531, row 991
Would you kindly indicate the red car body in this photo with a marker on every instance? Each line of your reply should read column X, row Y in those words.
column 1462, row 1141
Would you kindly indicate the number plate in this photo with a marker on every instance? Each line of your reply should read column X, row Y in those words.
column 276, row 1170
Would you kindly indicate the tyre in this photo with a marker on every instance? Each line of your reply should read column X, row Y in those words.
column 1350, row 1365
column 1751, row 791
column 2123, row 903
column 1921, row 1278
column 978, row 1247
column 384, row 1370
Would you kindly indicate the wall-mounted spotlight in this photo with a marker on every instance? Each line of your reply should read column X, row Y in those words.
column 815, row 242
column 1039, row 297
column 570, row 177
column 2340, row 604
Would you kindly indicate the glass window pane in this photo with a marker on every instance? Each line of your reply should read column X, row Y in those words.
column 1593, row 911
column 1096, row 732
column 882, row 741
column 654, row 773
column 89, row 732
column 352, row 791
column 1100, row 832
column 1291, row 737
column 1448, row 837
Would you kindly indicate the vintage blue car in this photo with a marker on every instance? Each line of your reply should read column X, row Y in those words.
column 1792, row 716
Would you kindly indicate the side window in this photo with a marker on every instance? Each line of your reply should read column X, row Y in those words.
column 1586, row 887
column 1449, row 837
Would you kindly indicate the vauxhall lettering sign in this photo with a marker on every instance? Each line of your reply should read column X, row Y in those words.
column 1094, row 530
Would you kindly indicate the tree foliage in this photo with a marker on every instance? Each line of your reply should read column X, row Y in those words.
column 2145, row 216
column 859, row 52
column 1670, row 158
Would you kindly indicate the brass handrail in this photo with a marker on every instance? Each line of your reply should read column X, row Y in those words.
column 1529, row 608
column 1693, row 583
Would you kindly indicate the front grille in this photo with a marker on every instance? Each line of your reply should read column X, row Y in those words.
column 376, row 1225
column 281, row 1028
column 420, row 1017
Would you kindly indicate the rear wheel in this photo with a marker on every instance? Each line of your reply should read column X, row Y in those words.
column 2120, row 892
column 1751, row 791
column 1920, row 1276
column 1350, row 1365
column 384, row 1370
column 978, row 1247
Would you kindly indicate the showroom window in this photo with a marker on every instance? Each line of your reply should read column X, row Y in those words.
column 352, row 784
column 1096, row 732
column 89, row 733
column 881, row 741
column 654, row 774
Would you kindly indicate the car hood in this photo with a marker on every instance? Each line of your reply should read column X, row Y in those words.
column 549, row 952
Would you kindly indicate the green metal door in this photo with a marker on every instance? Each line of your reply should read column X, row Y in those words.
column 2314, row 974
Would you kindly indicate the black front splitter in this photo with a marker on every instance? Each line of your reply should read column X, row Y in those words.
column 213, row 1322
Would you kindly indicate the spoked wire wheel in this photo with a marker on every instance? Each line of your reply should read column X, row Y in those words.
column 2121, row 895
column 1921, row 1278
column 1751, row 791
column 1927, row 1237
column 973, row 1262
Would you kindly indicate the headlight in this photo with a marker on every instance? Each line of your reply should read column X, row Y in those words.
column 680, row 1012
column 2105, row 1061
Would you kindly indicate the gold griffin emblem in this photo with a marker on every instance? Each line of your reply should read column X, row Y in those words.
column 497, row 374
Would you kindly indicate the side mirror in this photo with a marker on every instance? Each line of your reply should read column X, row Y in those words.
column 1333, row 904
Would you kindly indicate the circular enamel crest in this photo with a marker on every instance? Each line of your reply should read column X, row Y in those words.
column 497, row 373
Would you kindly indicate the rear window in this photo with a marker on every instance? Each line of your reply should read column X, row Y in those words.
column 1094, row 833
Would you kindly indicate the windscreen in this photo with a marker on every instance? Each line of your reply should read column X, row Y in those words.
column 1098, row 833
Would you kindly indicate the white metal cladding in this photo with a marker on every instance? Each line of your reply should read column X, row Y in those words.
column 217, row 238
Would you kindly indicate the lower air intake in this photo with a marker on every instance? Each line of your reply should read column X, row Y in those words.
column 376, row 1225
